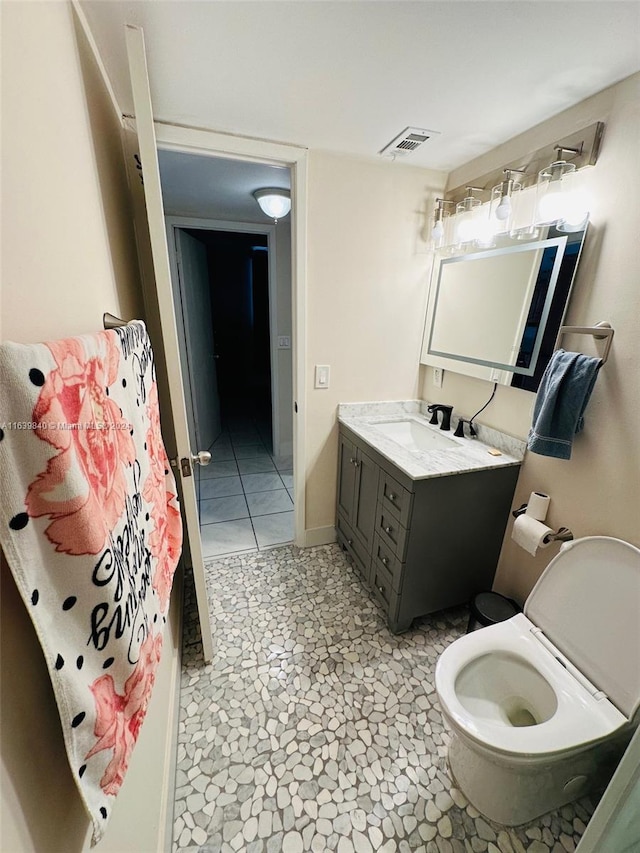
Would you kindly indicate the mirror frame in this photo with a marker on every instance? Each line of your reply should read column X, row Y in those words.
column 555, row 302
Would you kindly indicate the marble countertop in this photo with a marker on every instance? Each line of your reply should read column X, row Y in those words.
column 465, row 454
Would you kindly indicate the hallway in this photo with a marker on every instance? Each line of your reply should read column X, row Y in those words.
column 245, row 495
column 315, row 729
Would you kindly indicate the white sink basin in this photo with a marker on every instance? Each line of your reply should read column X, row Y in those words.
column 415, row 436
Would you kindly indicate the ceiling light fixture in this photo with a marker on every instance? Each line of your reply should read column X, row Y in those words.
column 274, row 202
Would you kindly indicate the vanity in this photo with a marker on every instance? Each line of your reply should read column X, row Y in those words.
column 421, row 514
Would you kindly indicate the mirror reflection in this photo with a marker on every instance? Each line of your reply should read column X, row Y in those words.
column 495, row 314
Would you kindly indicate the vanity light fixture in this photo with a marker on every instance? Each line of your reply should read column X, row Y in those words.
column 274, row 201
column 502, row 195
column 566, row 156
column 504, row 203
column 467, row 214
column 557, row 200
column 439, row 216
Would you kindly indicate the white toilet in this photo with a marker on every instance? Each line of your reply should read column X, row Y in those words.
column 542, row 705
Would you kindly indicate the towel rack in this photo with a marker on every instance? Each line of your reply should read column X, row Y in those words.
column 600, row 331
column 110, row 321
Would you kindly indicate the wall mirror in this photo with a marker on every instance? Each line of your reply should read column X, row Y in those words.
column 495, row 314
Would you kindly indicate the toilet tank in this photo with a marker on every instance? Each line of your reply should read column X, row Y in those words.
column 587, row 602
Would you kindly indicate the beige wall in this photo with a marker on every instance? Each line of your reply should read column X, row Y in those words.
column 367, row 278
column 68, row 255
column 597, row 491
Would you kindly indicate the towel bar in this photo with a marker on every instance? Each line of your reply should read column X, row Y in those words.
column 110, row 321
column 600, row 331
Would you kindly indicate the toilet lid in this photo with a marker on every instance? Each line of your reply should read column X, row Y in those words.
column 587, row 602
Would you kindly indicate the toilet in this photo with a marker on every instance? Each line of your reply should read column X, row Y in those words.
column 542, row 705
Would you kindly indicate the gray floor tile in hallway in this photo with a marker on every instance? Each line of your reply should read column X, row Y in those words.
column 273, row 529
column 245, row 496
column 265, row 503
column 315, row 729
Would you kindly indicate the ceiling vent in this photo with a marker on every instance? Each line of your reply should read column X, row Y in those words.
column 407, row 142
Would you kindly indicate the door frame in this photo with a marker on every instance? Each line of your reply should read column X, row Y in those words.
column 201, row 224
column 209, row 143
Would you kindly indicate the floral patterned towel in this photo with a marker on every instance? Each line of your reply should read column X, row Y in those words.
column 91, row 528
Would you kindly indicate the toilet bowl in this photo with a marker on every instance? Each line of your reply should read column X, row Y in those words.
column 542, row 705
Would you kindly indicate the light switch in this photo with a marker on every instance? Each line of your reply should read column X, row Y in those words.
column 284, row 342
column 322, row 376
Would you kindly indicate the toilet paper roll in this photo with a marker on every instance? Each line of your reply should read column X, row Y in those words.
column 529, row 533
column 538, row 505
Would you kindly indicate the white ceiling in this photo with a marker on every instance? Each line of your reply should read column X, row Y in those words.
column 348, row 76
column 216, row 188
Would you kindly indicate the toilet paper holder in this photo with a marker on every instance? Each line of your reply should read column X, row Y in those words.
column 562, row 534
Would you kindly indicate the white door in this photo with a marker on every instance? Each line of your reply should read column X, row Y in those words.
column 160, row 308
column 202, row 380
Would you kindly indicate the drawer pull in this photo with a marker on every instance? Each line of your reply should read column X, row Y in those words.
column 388, row 529
column 392, row 497
column 381, row 588
column 352, row 460
column 349, row 541
column 385, row 561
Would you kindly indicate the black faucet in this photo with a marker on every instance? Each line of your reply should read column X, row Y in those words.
column 460, row 428
column 446, row 415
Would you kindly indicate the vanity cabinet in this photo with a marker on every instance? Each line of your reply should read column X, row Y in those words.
column 419, row 545
column 357, row 496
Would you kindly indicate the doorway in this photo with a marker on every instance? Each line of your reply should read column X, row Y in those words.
column 245, row 496
column 232, row 265
column 238, row 270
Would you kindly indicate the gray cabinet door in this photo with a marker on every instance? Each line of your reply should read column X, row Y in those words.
column 346, row 478
column 365, row 499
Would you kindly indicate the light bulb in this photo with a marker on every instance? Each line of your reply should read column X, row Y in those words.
column 503, row 211
column 467, row 230
column 485, row 232
column 575, row 210
column 437, row 232
column 552, row 205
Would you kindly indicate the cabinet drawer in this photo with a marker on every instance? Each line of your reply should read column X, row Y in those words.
column 355, row 549
column 394, row 498
column 382, row 584
column 385, row 556
column 392, row 533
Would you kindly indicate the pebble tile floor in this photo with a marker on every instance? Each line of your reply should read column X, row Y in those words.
column 315, row 729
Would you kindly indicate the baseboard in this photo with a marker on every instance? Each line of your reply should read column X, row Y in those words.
column 319, row 536
column 285, row 448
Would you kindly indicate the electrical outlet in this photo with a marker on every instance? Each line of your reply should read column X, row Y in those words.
column 437, row 376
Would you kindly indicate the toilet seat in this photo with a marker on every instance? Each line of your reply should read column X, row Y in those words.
column 580, row 717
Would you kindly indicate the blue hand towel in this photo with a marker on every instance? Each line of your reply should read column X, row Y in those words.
column 564, row 392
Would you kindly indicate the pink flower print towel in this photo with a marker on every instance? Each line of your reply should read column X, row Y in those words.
column 91, row 528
